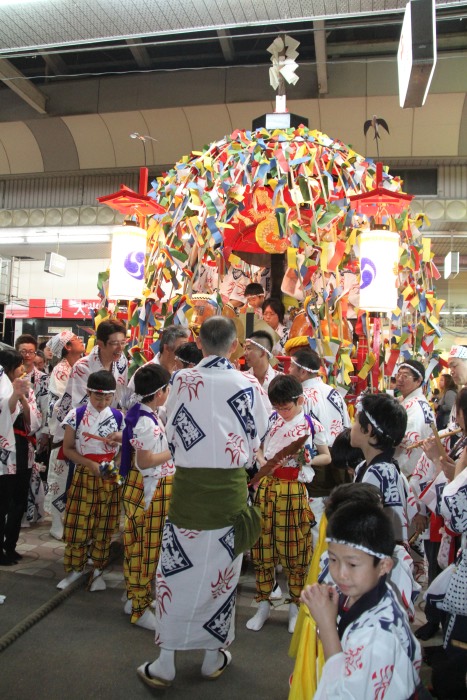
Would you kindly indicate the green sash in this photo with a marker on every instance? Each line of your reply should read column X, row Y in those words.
column 209, row 499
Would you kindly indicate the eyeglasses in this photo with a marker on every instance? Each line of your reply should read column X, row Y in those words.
column 115, row 343
column 28, row 353
column 285, row 409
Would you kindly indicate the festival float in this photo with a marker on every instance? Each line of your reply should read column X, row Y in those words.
column 333, row 226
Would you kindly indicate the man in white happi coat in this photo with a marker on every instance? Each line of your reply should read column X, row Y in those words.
column 27, row 346
column 106, row 354
column 258, row 354
column 68, row 348
column 409, row 380
column 321, row 400
column 171, row 339
column 215, row 423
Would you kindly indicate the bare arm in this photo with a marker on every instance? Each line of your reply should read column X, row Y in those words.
column 323, row 458
column 145, row 459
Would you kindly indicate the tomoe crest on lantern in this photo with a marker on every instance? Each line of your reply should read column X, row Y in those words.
column 127, row 263
column 379, row 253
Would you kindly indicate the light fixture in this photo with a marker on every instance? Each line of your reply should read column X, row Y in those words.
column 379, row 255
column 127, row 262
column 55, row 234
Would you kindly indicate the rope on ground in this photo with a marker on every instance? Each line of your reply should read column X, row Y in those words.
column 29, row 621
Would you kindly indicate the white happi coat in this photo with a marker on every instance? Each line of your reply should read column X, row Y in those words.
column 54, row 502
column 215, row 419
column 398, row 499
column 76, row 394
column 270, row 374
column 419, row 418
column 325, row 402
column 95, row 422
column 282, row 433
column 380, row 657
column 40, row 385
column 7, row 435
column 57, row 385
column 147, row 435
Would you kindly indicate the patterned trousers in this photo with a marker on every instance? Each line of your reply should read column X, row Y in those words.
column 142, row 540
column 285, row 536
column 91, row 518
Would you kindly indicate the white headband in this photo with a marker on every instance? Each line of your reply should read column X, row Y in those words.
column 258, row 345
column 139, row 397
column 371, row 552
column 102, row 391
column 406, row 364
column 459, row 351
column 307, row 369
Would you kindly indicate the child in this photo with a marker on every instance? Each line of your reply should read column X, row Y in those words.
column 92, row 508
column 283, row 500
column 146, row 510
column 379, row 427
column 372, row 651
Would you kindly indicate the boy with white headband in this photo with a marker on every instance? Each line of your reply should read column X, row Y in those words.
column 371, row 651
column 379, row 427
column 326, row 404
column 93, row 502
column 147, row 490
column 282, row 498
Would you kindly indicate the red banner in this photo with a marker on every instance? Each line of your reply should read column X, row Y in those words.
column 52, row 308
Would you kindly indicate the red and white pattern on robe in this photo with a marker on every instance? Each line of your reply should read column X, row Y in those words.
column 7, row 440
column 93, row 422
column 215, row 416
column 75, row 393
column 325, row 402
column 148, row 435
column 419, row 418
column 380, row 657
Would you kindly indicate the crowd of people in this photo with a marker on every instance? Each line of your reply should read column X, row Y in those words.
column 207, row 463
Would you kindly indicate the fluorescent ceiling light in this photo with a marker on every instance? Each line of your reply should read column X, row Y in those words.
column 40, row 239
column 8, row 239
column 62, row 235
column 85, row 239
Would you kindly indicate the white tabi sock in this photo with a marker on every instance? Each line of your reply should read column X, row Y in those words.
column 147, row 620
column 98, row 583
column 164, row 666
column 212, row 662
column 293, row 613
column 69, row 579
column 256, row 622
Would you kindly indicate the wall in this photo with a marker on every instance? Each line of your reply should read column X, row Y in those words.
column 80, row 281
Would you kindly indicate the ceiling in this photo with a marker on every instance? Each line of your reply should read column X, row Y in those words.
column 49, row 41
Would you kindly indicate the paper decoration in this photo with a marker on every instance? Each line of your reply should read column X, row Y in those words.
column 283, row 54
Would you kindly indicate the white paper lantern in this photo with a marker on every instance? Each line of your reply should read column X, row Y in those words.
column 127, row 263
column 379, row 257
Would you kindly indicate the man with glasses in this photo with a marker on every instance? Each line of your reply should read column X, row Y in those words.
column 409, row 380
column 26, row 345
column 106, row 354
